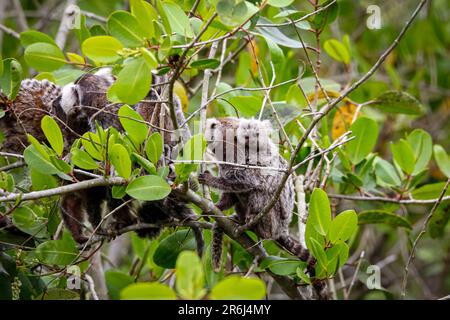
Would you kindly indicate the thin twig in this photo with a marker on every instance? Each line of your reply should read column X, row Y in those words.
column 422, row 232
column 9, row 31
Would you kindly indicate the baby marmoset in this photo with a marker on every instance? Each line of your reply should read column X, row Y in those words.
column 249, row 190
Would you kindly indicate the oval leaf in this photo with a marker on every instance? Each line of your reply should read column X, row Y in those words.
column 442, row 160
column 102, row 49
column 337, row 50
column 148, row 188
column 365, row 131
column 190, row 277
column 168, row 250
column 403, row 155
column 53, row 134
column 147, row 291
column 131, row 122
column 319, row 216
column 44, row 56
column 125, row 27
column 133, row 82
column 120, row 158
column 343, row 226
column 380, row 216
column 398, row 102
column 154, row 147
column 239, row 288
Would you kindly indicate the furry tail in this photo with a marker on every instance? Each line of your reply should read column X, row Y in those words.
column 216, row 247
column 319, row 286
column 198, row 235
column 297, row 249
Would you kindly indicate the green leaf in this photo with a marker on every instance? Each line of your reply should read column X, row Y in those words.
column 92, row 144
column 145, row 14
column 11, row 77
column 46, row 75
column 178, row 20
column 102, row 49
column 154, row 147
column 149, row 58
column 82, row 160
column 169, row 248
column 192, row 150
column 319, row 253
column 120, row 158
column 276, row 36
column 32, row 36
column 276, row 54
column 303, row 276
column 403, row 155
column 35, row 160
column 147, row 291
column 280, row 3
column 41, row 181
column 58, row 294
column 133, row 82
column 66, row 75
column 44, row 56
column 429, row 191
column 190, row 278
column 319, row 216
column 337, row 50
column 385, row 173
column 116, row 281
column 439, row 221
column 147, row 165
column 148, row 188
column 202, row 64
column 421, row 143
column 365, row 131
column 285, row 267
column 343, row 226
column 248, row 106
column 53, row 134
column 125, row 27
column 380, row 216
column 338, row 253
column 131, row 122
column 57, row 252
column 442, row 160
column 239, row 288
column 398, row 102
column 27, row 221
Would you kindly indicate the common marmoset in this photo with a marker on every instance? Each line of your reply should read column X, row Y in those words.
column 78, row 106
column 249, row 190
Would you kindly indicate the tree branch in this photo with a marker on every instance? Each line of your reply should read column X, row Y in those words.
column 87, row 184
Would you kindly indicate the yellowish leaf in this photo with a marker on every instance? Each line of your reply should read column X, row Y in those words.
column 343, row 119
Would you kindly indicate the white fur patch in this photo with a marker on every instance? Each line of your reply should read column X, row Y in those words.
column 69, row 98
column 106, row 73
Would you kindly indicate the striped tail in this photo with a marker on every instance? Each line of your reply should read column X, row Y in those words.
column 198, row 235
column 297, row 249
column 216, row 247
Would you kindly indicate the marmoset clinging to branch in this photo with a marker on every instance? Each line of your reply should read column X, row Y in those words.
column 249, row 190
